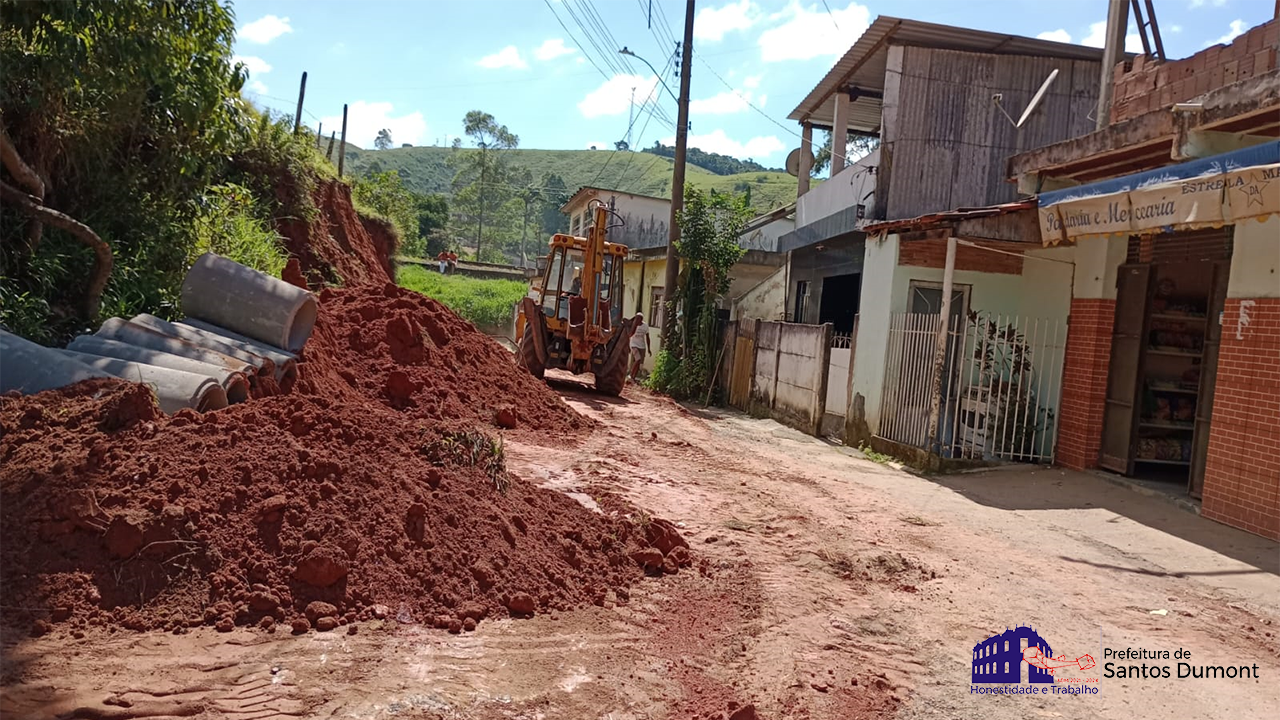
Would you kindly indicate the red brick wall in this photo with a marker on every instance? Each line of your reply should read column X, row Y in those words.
column 933, row 254
column 1084, row 382
column 1148, row 86
column 1242, row 477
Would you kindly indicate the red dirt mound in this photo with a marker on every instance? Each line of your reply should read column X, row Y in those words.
column 337, row 245
column 367, row 491
column 407, row 351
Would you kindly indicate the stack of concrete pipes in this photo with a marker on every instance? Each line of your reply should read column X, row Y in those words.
column 243, row 328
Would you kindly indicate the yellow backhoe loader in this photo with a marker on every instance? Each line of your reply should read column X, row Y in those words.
column 574, row 320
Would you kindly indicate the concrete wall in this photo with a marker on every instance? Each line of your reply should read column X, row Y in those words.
column 646, row 219
column 765, row 301
column 846, row 189
column 766, row 237
column 1255, row 260
column 744, row 276
column 790, row 379
column 873, row 336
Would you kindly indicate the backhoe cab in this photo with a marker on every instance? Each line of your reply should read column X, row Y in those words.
column 574, row 320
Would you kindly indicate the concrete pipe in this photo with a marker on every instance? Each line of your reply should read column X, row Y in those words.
column 30, row 368
column 286, row 362
column 207, row 340
column 234, row 382
column 145, row 337
column 175, row 389
column 248, row 302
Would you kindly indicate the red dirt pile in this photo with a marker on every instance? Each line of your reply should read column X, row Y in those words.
column 369, row 492
column 338, row 245
column 405, row 350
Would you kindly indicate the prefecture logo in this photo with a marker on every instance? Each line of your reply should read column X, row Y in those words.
column 1021, row 657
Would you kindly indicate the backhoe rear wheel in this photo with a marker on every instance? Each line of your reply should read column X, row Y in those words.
column 528, row 354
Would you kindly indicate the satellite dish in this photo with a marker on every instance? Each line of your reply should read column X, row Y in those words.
column 1035, row 101
column 793, row 162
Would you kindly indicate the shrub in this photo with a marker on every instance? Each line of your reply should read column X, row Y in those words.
column 486, row 303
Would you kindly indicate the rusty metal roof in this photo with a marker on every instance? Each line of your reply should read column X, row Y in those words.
column 863, row 66
column 932, row 220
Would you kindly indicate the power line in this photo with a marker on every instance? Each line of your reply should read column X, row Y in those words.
column 831, row 15
column 582, row 48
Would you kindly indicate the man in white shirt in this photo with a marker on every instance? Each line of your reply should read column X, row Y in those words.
column 639, row 345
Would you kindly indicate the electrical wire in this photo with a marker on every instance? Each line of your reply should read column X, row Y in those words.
column 831, row 15
column 582, row 48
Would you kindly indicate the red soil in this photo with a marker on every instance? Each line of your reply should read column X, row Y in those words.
column 373, row 490
column 337, row 245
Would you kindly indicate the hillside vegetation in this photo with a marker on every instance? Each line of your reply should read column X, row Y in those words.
column 424, row 170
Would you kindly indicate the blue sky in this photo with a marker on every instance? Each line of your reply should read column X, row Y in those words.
column 549, row 70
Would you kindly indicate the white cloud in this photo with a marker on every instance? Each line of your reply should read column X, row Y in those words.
column 258, row 87
column 508, row 56
column 1201, row 3
column 365, row 119
column 613, row 97
column 712, row 24
column 1237, row 29
column 807, row 32
column 264, row 30
column 1061, row 36
column 752, row 82
column 552, row 49
column 1097, row 37
column 724, row 103
column 1175, row 28
column 717, row 142
column 255, row 65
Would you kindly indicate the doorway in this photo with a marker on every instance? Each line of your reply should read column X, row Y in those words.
column 1164, row 357
column 839, row 302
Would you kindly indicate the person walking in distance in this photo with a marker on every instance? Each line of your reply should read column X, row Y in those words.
column 639, row 345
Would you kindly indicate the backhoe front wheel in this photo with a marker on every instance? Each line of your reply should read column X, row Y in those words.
column 528, row 354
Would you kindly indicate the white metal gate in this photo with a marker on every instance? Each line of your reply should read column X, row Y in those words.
column 1001, row 385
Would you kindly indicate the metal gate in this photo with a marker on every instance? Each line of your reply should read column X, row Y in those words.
column 1001, row 386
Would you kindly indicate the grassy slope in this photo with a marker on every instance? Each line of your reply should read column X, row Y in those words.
column 425, row 171
column 486, row 303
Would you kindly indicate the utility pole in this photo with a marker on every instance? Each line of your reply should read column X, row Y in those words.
column 302, row 93
column 1112, row 54
column 677, row 180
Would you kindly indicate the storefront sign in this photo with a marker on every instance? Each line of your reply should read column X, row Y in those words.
column 1253, row 192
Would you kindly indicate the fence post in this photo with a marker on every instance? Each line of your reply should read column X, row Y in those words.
column 777, row 363
column 755, row 354
column 824, row 375
column 329, row 155
column 940, row 348
column 297, row 116
column 342, row 147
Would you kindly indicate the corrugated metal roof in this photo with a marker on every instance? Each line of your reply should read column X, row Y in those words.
column 925, row 222
column 863, row 66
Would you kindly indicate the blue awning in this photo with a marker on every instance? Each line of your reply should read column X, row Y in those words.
column 1267, row 153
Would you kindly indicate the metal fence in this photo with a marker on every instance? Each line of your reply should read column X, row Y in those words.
column 1001, row 385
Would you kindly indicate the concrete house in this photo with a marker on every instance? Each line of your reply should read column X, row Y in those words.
column 1170, row 213
column 645, row 232
column 941, row 104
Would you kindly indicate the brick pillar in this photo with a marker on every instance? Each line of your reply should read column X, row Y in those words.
column 1084, row 381
column 1242, row 475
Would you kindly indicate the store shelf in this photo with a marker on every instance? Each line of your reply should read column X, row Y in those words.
column 1168, row 425
column 1154, row 461
column 1176, row 316
column 1173, row 352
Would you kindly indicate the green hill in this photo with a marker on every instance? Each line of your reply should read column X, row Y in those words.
column 424, row 170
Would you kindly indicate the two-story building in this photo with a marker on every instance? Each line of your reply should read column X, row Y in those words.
column 943, row 107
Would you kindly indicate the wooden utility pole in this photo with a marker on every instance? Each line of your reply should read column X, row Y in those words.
column 670, row 296
column 302, row 93
column 329, row 155
column 342, row 147
column 319, row 133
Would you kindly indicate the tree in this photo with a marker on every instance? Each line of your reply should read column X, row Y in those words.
column 433, row 218
column 621, row 145
column 710, row 224
column 383, row 141
column 385, row 194
column 481, row 182
column 554, row 195
column 857, row 145
column 126, row 110
column 530, row 196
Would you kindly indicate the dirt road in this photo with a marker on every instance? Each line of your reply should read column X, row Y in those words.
column 827, row 586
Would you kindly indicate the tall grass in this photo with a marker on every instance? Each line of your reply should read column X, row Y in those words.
column 486, row 303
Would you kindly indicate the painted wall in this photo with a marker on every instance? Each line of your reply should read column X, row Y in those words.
column 873, row 329
column 766, row 237
column 764, row 301
column 633, row 284
column 791, row 373
column 1255, row 260
column 846, row 189
column 743, row 277
column 646, row 219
